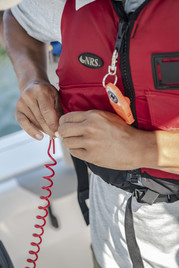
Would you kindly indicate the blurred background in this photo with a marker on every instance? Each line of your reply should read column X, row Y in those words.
column 9, row 94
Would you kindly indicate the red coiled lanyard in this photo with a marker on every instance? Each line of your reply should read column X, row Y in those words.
column 43, row 218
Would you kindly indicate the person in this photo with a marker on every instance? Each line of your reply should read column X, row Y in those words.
column 134, row 186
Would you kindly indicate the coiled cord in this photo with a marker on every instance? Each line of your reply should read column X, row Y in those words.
column 43, row 218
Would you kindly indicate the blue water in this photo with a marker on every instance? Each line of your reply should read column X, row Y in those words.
column 9, row 94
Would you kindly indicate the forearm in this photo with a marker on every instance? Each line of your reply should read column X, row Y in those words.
column 28, row 55
column 38, row 109
column 160, row 150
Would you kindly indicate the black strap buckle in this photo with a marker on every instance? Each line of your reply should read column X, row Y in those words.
column 133, row 177
column 172, row 198
column 146, row 196
column 139, row 193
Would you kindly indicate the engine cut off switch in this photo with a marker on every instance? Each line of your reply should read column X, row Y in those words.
column 120, row 103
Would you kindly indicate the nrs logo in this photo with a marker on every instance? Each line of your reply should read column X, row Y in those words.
column 90, row 60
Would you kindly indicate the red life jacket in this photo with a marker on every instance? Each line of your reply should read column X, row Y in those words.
column 148, row 69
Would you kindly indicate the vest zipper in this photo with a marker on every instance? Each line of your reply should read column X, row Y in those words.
column 123, row 43
column 125, row 70
column 122, row 31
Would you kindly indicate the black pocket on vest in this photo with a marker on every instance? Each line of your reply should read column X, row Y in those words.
column 165, row 68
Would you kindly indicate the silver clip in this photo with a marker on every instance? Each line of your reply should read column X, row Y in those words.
column 112, row 69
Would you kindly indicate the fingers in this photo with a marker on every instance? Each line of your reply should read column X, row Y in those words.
column 40, row 117
column 77, row 124
column 29, row 127
column 39, row 105
column 74, row 143
column 71, row 124
column 71, row 130
column 49, row 112
column 21, row 107
column 73, row 117
column 29, row 108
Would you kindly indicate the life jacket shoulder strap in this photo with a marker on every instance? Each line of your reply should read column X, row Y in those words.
column 83, row 186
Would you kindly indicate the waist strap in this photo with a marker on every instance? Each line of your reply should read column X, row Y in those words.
column 150, row 197
column 146, row 190
column 118, row 178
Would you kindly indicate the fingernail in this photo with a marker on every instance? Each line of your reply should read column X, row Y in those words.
column 57, row 134
column 39, row 136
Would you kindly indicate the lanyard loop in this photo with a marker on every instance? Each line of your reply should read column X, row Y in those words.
column 112, row 69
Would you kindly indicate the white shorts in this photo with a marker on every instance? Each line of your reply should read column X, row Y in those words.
column 156, row 228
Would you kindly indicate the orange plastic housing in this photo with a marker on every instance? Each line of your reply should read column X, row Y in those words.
column 120, row 103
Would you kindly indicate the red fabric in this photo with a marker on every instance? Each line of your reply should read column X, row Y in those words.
column 156, row 32
column 93, row 29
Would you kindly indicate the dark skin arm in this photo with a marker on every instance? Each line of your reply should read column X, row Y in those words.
column 104, row 139
column 38, row 109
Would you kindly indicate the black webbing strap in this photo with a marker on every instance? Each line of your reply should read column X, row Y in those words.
column 150, row 197
column 83, row 186
column 132, row 245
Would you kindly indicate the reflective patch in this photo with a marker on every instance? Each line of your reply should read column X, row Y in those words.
column 165, row 68
column 90, row 60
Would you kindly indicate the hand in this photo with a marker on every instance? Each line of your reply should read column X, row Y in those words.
column 102, row 138
column 38, row 110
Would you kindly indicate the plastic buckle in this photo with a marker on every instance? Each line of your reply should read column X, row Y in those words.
column 133, row 178
column 139, row 194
